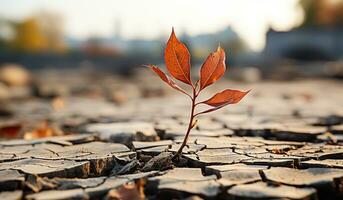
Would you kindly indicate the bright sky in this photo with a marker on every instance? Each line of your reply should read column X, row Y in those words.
column 153, row 18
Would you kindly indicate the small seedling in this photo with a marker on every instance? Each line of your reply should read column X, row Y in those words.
column 177, row 58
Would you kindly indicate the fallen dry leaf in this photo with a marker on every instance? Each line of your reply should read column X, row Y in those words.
column 43, row 130
column 129, row 191
column 10, row 130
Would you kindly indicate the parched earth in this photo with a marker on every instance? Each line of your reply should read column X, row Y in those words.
column 284, row 141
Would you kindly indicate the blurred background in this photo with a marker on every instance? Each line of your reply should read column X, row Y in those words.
column 265, row 38
column 52, row 50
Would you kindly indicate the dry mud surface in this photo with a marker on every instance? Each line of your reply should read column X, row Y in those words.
column 284, row 141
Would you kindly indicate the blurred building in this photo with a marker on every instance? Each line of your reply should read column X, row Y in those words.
column 319, row 37
column 306, row 43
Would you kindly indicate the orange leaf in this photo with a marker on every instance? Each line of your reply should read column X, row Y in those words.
column 43, row 130
column 225, row 97
column 213, row 68
column 166, row 78
column 177, row 58
column 127, row 191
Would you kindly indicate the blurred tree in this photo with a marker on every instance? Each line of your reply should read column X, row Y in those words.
column 42, row 33
column 322, row 13
column 28, row 37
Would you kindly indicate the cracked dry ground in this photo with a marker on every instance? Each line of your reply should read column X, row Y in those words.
column 284, row 141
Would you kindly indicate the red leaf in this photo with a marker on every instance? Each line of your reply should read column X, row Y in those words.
column 10, row 130
column 166, row 78
column 225, row 97
column 177, row 59
column 213, row 68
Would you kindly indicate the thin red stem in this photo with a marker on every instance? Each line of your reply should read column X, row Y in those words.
column 190, row 124
column 199, row 113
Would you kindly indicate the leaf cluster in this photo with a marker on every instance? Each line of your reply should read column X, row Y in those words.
column 177, row 59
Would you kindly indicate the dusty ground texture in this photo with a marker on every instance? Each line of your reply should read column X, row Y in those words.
column 112, row 138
